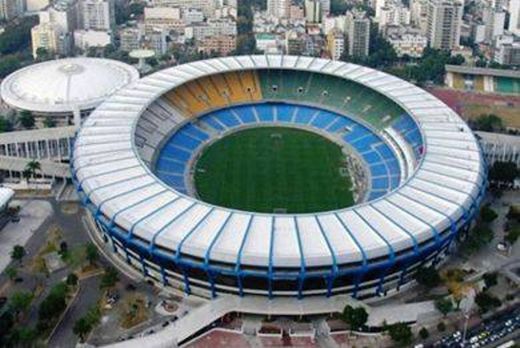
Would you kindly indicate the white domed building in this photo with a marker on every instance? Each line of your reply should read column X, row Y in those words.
column 65, row 89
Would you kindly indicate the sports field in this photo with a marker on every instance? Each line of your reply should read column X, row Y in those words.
column 273, row 169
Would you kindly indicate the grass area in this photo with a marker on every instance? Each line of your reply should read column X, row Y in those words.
column 274, row 169
column 508, row 114
column 54, row 235
column 133, row 311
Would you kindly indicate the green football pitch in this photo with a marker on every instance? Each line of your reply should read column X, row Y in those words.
column 273, row 169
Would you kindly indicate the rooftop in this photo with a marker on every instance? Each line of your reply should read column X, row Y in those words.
column 64, row 84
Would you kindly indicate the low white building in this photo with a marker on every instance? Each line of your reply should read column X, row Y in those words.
column 84, row 39
column 407, row 42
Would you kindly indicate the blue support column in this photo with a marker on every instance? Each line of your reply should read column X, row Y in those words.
column 163, row 276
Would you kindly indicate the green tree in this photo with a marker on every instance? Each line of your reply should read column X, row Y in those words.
column 23, row 336
column 9, row 64
column 5, row 124
column 355, row 317
column 441, row 327
column 513, row 234
column 490, row 279
column 16, row 36
column 53, row 305
column 486, row 302
column 11, row 273
column 18, row 253
column 91, row 253
column 81, row 328
column 487, row 214
column 488, row 123
column 72, row 279
column 42, row 54
column 424, row 333
column 444, row 305
column 20, row 301
column 428, row 276
column 400, row 333
column 478, row 237
column 109, row 278
column 503, row 172
column 31, row 168
column 49, row 122
column 26, row 118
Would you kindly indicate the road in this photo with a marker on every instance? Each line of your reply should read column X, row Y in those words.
column 87, row 297
column 488, row 333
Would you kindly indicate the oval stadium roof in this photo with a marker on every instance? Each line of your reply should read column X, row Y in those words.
column 64, row 84
column 112, row 175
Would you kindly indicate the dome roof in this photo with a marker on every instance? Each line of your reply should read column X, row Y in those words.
column 63, row 84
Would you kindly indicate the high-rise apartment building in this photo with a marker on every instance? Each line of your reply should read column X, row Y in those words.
column 444, row 23
column 279, row 8
column 98, row 14
column 514, row 19
column 358, row 33
column 335, row 43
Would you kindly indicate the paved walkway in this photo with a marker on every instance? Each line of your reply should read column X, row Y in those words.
column 32, row 215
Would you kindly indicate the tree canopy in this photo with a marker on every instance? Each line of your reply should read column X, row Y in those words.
column 488, row 123
column 355, row 317
column 428, row 276
column 503, row 172
column 486, row 301
column 400, row 333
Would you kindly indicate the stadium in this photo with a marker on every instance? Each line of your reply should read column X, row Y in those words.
column 278, row 176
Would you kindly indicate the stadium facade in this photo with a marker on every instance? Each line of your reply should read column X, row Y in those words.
column 423, row 170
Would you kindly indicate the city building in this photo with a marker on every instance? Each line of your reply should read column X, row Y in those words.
column 35, row 5
column 336, row 44
column 192, row 15
column 313, row 11
column 168, row 18
column 506, row 50
column 514, row 19
column 358, row 33
column 482, row 79
column 407, row 41
column 444, row 23
column 394, row 14
column 419, row 15
column 84, row 39
column 98, row 14
column 65, row 89
column 494, row 21
column 212, row 27
column 294, row 42
column 10, row 9
column 222, row 45
column 130, row 38
column 207, row 7
column 279, row 8
column 51, row 38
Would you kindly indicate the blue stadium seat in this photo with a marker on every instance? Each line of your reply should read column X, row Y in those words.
column 208, row 119
column 183, row 140
column 226, row 117
column 304, row 114
column 265, row 112
column 323, row 119
column 245, row 113
column 284, row 112
column 195, row 132
column 380, row 183
column 378, row 170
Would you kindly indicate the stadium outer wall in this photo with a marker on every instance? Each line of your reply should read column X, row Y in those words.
column 366, row 280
